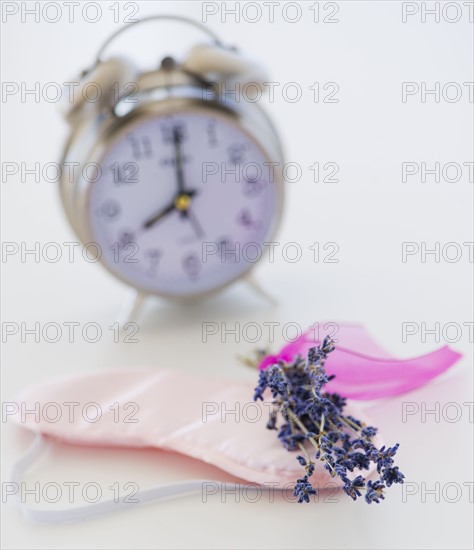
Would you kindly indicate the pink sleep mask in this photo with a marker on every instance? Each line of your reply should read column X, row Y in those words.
column 213, row 420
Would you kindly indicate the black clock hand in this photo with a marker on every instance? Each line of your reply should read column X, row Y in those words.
column 180, row 203
column 159, row 216
column 183, row 198
column 195, row 224
column 178, row 160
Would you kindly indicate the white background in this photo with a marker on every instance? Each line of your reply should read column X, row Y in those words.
column 369, row 213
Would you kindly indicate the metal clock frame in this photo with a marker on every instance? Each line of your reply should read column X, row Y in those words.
column 92, row 138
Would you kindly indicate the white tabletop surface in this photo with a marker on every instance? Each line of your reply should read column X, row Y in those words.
column 369, row 213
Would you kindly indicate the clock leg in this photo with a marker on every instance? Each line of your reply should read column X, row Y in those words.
column 255, row 285
column 131, row 307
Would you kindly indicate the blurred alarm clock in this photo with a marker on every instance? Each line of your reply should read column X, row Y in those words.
column 175, row 181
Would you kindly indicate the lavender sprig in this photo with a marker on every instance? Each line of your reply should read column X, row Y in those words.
column 314, row 419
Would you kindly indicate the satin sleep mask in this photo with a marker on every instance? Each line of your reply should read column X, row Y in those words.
column 213, row 420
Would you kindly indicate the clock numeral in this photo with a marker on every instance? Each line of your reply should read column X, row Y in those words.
column 124, row 173
column 169, row 129
column 252, row 187
column 227, row 250
column 153, row 257
column 141, row 147
column 192, row 265
column 236, row 152
column 125, row 249
column 125, row 238
column 245, row 219
column 211, row 133
column 110, row 210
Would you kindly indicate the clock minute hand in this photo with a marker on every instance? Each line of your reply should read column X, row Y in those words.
column 178, row 160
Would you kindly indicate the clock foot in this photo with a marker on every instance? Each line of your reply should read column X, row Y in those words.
column 131, row 307
column 255, row 285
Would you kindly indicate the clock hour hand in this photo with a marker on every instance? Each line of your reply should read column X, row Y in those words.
column 158, row 216
column 181, row 203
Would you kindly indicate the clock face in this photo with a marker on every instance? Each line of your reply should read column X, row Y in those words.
column 184, row 204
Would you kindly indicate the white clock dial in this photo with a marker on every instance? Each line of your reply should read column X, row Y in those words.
column 183, row 205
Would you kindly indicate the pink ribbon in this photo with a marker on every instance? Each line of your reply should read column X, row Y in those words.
column 363, row 369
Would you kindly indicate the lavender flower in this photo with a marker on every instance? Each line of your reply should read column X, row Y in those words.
column 303, row 489
column 314, row 422
column 392, row 475
column 353, row 488
column 374, row 491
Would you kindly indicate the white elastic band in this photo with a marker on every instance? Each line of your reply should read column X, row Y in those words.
column 82, row 513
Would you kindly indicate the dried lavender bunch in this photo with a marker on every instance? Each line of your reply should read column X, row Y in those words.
column 314, row 419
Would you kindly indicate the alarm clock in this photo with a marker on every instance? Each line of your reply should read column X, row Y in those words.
column 175, row 189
